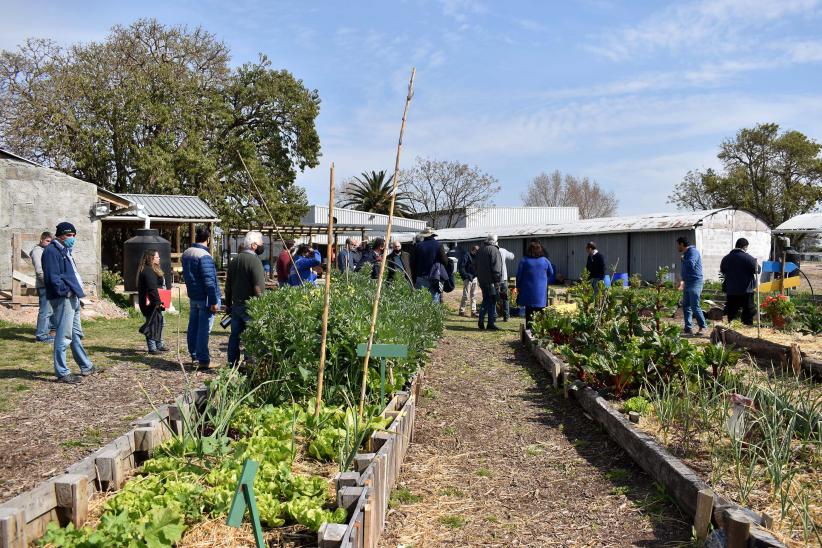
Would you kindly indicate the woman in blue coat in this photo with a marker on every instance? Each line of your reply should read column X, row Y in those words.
column 533, row 274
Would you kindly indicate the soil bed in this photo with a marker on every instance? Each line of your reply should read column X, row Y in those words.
column 499, row 459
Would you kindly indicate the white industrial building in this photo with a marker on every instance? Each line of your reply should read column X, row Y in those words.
column 478, row 217
column 637, row 244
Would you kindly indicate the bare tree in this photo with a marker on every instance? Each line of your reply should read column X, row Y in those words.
column 554, row 190
column 439, row 191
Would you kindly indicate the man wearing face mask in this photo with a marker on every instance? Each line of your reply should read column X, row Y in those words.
column 64, row 289
column 245, row 279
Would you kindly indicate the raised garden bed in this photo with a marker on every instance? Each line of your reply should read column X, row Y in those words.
column 680, row 481
column 771, row 353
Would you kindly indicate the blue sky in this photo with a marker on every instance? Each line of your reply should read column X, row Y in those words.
column 632, row 94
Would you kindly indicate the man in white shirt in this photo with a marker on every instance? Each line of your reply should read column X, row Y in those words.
column 45, row 316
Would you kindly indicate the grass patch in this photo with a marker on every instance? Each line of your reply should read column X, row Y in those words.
column 492, row 518
column 402, row 496
column 452, row 492
column 449, row 431
column 428, row 392
column 484, row 473
column 92, row 437
column 21, row 387
column 621, row 490
column 617, row 474
column 533, row 450
column 454, row 522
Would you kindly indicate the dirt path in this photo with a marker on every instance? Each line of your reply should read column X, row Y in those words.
column 49, row 425
column 501, row 460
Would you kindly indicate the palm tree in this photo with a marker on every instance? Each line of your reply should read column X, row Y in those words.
column 372, row 193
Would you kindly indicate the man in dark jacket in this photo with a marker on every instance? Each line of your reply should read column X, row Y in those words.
column 203, row 289
column 371, row 257
column 245, row 279
column 488, row 267
column 399, row 263
column 468, row 274
column 739, row 282
column 64, row 289
column 595, row 265
column 426, row 253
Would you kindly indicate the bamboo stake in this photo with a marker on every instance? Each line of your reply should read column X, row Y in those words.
column 327, row 302
column 376, row 307
column 265, row 206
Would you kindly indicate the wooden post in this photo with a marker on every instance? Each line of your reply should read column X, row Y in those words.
column 738, row 529
column 191, row 231
column 72, row 495
column 13, row 528
column 327, row 296
column 177, row 242
column 796, row 359
column 704, row 511
column 376, row 307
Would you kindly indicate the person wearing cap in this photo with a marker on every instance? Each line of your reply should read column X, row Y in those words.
column 203, row 289
column 488, row 264
column 245, row 279
column 738, row 270
column 64, row 289
column 45, row 316
column 427, row 252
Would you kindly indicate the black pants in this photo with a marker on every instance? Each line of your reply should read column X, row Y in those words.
column 529, row 314
column 745, row 303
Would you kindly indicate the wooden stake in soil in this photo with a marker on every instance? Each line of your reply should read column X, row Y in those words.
column 327, row 302
column 376, row 307
column 704, row 511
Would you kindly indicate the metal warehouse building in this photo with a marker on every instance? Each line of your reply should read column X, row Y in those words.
column 636, row 244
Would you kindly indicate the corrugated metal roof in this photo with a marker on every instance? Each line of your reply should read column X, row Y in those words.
column 807, row 222
column 318, row 215
column 635, row 223
column 476, row 217
column 172, row 206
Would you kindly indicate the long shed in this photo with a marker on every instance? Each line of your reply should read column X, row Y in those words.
column 638, row 244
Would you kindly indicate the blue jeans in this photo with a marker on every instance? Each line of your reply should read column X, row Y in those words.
column 200, row 320
column 690, row 305
column 45, row 316
column 489, row 304
column 424, row 283
column 239, row 319
column 69, row 332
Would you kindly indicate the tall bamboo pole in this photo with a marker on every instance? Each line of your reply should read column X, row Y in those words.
column 376, row 307
column 327, row 302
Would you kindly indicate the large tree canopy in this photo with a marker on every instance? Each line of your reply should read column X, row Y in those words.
column 156, row 109
column 554, row 190
column 775, row 175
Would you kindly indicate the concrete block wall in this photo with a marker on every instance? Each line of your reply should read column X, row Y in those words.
column 34, row 199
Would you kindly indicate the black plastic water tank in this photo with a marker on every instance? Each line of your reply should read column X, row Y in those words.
column 133, row 249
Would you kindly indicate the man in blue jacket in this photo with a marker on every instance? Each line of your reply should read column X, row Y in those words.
column 203, row 289
column 302, row 271
column 64, row 289
column 691, row 284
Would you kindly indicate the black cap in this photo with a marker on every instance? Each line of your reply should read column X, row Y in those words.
column 65, row 228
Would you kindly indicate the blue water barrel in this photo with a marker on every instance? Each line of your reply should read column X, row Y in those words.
column 620, row 278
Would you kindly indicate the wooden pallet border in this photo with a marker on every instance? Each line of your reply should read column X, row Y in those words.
column 782, row 355
column 366, row 490
column 678, row 479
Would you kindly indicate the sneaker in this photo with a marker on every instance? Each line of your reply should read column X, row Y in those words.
column 46, row 340
column 474, row 314
column 162, row 348
column 88, row 372
column 70, row 379
column 202, row 366
column 152, row 352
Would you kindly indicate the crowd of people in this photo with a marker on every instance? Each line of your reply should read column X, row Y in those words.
column 426, row 265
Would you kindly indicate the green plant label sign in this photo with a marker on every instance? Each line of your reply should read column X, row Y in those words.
column 244, row 498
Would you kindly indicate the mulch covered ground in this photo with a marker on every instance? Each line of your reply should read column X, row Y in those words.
column 54, row 425
column 501, row 459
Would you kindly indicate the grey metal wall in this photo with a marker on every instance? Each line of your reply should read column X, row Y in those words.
column 651, row 250
column 614, row 247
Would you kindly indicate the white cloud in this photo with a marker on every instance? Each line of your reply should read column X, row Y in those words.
column 715, row 25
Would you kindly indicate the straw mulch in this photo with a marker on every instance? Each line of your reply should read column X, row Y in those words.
column 500, row 460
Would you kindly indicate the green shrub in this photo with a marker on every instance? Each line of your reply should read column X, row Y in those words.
column 284, row 337
column 110, row 281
